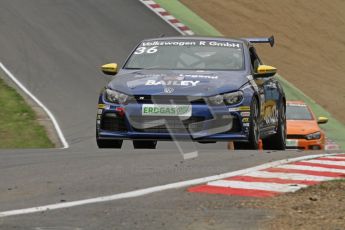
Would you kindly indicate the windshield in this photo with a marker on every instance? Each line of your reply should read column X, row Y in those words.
column 298, row 112
column 187, row 55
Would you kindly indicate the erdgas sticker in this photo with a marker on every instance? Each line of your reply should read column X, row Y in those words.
column 166, row 110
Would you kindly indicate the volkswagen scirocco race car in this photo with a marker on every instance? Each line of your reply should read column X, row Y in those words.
column 303, row 131
column 202, row 89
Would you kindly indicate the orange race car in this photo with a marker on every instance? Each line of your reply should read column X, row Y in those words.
column 303, row 131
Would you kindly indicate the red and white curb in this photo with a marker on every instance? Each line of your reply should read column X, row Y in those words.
column 166, row 16
column 279, row 179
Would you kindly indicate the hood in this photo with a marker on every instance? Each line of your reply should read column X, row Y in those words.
column 296, row 127
column 171, row 82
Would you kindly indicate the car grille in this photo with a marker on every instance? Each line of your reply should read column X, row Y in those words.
column 175, row 124
column 168, row 99
column 296, row 136
column 111, row 122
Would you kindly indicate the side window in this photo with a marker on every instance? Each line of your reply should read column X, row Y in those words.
column 254, row 59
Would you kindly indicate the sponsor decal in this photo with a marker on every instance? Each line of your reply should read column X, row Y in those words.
column 99, row 116
column 271, row 113
column 98, row 122
column 245, row 120
column 100, row 111
column 236, row 109
column 246, row 124
column 174, row 83
column 103, row 106
column 244, row 108
column 241, row 108
column 169, row 43
column 245, row 114
column 199, row 76
column 166, row 110
column 154, row 75
column 173, row 78
column 155, row 44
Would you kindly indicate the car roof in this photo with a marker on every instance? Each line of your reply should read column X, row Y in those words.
column 224, row 39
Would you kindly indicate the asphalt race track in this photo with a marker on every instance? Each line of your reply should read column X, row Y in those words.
column 55, row 48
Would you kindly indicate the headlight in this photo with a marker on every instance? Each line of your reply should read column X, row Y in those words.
column 228, row 98
column 233, row 98
column 313, row 136
column 217, row 100
column 116, row 97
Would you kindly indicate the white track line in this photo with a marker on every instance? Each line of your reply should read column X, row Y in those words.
column 273, row 187
column 312, row 168
column 337, row 157
column 146, row 191
column 38, row 102
column 287, row 176
column 338, row 163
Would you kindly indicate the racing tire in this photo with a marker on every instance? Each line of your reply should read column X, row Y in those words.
column 254, row 131
column 144, row 144
column 109, row 144
column 278, row 140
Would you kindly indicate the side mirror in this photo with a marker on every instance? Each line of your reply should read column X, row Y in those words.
column 264, row 71
column 322, row 120
column 110, row 69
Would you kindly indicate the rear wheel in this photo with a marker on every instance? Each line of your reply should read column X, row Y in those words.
column 254, row 131
column 278, row 140
column 109, row 144
column 144, row 144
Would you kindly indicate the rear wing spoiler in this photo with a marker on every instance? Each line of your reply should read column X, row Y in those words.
column 269, row 40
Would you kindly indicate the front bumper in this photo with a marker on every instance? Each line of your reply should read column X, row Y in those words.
column 304, row 144
column 116, row 122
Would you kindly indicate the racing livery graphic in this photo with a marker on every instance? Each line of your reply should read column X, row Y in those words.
column 200, row 89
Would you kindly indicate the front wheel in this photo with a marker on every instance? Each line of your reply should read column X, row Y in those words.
column 254, row 131
column 278, row 140
column 144, row 144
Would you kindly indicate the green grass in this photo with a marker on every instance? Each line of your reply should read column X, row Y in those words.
column 18, row 123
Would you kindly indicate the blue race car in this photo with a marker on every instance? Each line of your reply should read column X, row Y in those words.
column 202, row 89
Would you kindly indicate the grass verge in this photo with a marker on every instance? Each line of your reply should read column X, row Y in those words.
column 19, row 127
